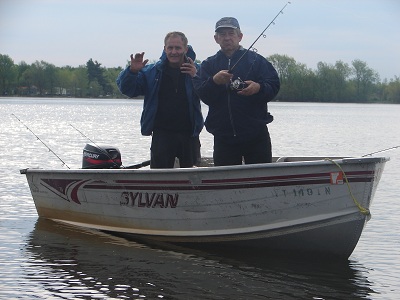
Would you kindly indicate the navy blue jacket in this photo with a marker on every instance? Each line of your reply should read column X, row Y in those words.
column 147, row 83
column 232, row 116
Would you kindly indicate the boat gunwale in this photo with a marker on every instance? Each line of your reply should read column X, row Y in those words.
column 315, row 161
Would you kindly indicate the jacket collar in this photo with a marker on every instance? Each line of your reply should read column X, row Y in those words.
column 235, row 54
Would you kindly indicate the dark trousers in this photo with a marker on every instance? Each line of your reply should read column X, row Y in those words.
column 257, row 150
column 166, row 145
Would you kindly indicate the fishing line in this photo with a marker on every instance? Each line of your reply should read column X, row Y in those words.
column 103, row 150
column 41, row 141
column 262, row 34
column 383, row 150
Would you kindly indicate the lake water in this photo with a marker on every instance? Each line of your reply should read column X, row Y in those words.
column 43, row 260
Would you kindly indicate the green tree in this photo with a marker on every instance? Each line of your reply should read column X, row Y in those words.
column 111, row 75
column 8, row 74
column 296, row 79
column 51, row 77
column 301, row 83
column 38, row 76
column 93, row 70
column 342, row 74
column 393, row 90
column 364, row 77
column 80, row 81
column 26, row 87
column 21, row 82
column 65, row 79
column 332, row 81
column 283, row 64
column 97, row 73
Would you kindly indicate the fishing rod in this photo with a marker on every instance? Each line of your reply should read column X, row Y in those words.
column 383, row 150
column 100, row 148
column 262, row 34
column 84, row 136
column 41, row 141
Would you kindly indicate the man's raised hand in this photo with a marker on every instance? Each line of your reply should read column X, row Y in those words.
column 137, row 62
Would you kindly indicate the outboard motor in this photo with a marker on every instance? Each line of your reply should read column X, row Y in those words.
column 101, row 157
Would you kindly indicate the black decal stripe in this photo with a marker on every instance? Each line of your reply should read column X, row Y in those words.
column 242, row 185
column 154, row 181
column 285, row 177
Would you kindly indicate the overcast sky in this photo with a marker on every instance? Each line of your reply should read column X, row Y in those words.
column 70, row 32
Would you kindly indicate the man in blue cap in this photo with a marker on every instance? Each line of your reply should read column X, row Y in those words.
column 237, row 85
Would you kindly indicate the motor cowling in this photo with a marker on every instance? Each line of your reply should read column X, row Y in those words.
column 101, row 157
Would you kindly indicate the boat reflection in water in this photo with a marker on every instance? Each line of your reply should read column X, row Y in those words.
column 71, row 262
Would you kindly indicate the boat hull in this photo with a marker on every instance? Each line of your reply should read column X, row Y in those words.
column 312, row 205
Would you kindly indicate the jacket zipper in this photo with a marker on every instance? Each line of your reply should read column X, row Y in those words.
column 229, row 103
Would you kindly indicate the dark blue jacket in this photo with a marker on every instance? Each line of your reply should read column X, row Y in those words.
column 147, row 83
column 232, row 116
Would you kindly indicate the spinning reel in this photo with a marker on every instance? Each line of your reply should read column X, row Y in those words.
column 238, row 84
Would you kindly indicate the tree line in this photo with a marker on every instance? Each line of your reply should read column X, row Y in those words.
column 46, row 80
column 339, row 82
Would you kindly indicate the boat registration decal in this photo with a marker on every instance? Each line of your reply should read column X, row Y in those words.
column 336, row 178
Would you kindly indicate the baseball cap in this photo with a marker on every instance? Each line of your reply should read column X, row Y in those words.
column 227, row 22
